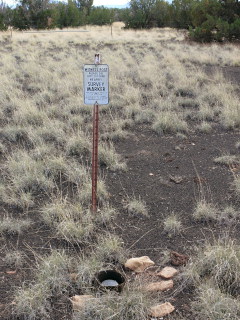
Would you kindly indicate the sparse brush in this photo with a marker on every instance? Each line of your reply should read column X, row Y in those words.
column 236, row 184
column 218, row 263
column 53, row 271
column 32, row 302
column 145, row 116
column 84, row 194
column 136, row 207
column 78, row 146
column 212, row 304
column 2, row 148
column 87, row 268
column 106, row 213
column 205, row 127
column 169, row 122
column 132, row 304
column 229, row 215
column 205, row 113
column 172, row 225
column 15, row 134
column 227, row 159
column 14, row 259
column 205, row 211
column 109, row 249
column 27, row 174
column 11, row 226
column 109, row 158
column 70, row 220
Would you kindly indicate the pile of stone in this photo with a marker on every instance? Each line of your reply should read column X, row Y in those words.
column 139, row 265
column 159, row 281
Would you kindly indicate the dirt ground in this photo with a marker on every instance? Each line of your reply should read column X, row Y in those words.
column 154, row 162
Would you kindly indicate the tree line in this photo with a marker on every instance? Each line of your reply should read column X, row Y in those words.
column 206, row 20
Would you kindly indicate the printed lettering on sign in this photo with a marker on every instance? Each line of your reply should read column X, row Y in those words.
column 96, row 83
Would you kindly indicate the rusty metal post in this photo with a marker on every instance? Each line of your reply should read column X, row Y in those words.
column 95, row 157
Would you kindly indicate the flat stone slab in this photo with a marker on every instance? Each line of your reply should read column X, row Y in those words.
column 161, row 310
column 139, row 264
column 159, row 286
column 167, row 272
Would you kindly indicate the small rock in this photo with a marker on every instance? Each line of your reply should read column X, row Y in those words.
column 176, row 179
column 139, row 264
column 159, row 286
column 79, row 302
column 11, row 272
column 167, row 272
column 161, row 310
column 178, row 259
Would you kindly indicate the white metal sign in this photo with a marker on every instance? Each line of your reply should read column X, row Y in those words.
column 95, row 80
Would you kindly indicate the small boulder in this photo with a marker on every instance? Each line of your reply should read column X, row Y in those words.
column 178, row 259
column 159, row 286
column 139, row 264
column 161, row 310
column 167, row 272
column 79, row 302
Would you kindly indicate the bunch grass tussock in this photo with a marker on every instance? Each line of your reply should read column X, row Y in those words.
column 11, row 226
column 132, row 304
column 136, row 207
column 205, row 211
column 172, row 225
column 74, row 222
column 215, row 273
column 32, row 301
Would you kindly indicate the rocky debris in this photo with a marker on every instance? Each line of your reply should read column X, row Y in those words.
column 159, row 286
column 167, row 272
column 161, row 310
column 139, row 264
column 178, row 259
column 79, row 302
column 176, row 179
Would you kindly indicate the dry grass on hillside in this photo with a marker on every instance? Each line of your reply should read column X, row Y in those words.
column 45, row 137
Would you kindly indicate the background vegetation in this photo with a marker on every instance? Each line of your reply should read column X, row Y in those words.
column 206, row 20
column 48, row 235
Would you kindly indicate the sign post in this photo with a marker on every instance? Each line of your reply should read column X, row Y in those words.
column 96, row 91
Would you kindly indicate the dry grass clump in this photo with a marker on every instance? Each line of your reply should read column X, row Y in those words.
column 136, row 207
column 73, row 222
column 227, row 159
column 215, row 272
column 132, row 304
column 168, row 122
column 107, row 252
column 109, row 158
column 213, row 304
column 11, row 226
column 52, row 276
column 236, row 184
column 14, row 259
column 229, row 215
column 172, row 225
column 204, row 127
column 205, row 211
